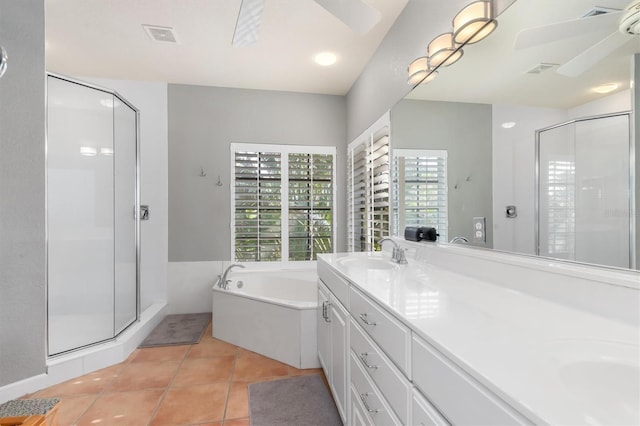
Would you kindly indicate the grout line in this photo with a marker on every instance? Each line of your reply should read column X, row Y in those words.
column 233, row 370
column 166, row 389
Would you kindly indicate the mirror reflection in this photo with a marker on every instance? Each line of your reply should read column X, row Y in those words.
column 554, row 72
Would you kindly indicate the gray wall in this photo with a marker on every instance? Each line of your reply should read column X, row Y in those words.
column 464, row 130
column 384, row 80
column 22, row 192
column 203, row 121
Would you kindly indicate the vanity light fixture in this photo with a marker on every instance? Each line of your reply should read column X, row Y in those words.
column 474, row 22
column 325, row 59
column 420, row 71
column 442, row 51
column 88, row 151
column 606, row 88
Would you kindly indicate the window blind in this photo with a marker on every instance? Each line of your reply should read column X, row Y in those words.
column 283, row 202
column 310, row 205
column 420, row 190
column 258, row 185
column 368, row 192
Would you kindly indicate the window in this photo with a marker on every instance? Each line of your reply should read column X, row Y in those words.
column 561, row 208
column 368, row 177
column 266, row 229
column 420, row 190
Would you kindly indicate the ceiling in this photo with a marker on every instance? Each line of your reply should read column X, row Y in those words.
column 492, row 71
column 105, row 39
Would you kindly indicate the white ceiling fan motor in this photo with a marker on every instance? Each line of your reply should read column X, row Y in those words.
column 630, row 22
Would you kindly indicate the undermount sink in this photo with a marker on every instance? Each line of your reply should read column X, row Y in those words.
column 597, row 374
column 368, row 263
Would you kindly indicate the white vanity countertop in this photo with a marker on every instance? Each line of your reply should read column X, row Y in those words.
column 553, row 363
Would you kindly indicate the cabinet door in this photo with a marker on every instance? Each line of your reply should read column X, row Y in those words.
column 339, row 324
column 324, row 331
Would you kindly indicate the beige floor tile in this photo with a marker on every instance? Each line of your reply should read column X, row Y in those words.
column 165, row 353
column 251, row 367
column 238, row 401
column 237, row 422
column 122, row 408
column 199, row 371
column 192, row 405
column 89, row 384
column 145, row 375
column 212, row 347
column 72, row 407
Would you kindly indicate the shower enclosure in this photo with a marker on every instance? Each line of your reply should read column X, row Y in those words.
column 92, row 220
column 584, row 200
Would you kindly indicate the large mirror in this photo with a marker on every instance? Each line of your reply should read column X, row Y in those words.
column 535, row 126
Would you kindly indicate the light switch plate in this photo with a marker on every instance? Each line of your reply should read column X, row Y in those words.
column 479, row 229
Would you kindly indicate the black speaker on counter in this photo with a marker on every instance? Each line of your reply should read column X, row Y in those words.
column 426, row 233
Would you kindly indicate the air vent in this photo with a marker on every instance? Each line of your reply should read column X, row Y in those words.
column 541, row 67
column 161, row 34
column 598, row 10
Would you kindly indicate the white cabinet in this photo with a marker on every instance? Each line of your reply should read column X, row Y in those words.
column 333, row 346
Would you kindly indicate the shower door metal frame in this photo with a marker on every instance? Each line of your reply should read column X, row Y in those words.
column 136, row 212
column 632, row 182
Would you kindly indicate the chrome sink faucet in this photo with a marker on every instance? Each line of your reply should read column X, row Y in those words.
column 398, row 253
column 223, row 282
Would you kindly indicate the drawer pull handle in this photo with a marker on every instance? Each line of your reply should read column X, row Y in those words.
column 325, row 311
column 363, row 358
column 365, row 320
column 363, row 398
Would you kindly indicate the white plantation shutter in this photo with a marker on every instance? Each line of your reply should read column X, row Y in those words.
column 258, row 228
column 420, row 190
column 282, row 202
column 310, row 205
column 368, row 191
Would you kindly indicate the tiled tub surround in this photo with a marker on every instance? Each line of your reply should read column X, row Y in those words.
column 513, row 331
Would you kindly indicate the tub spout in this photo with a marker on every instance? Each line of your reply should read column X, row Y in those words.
column 223, row 282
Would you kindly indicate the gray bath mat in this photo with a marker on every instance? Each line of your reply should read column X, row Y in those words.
column 296, row 401
column 182, row 329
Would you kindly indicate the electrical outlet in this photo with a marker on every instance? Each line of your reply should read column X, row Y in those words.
column 479, row 229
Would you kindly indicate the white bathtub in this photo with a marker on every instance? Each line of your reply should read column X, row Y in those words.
column 270, row 312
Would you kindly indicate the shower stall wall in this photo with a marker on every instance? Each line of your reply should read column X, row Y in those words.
column 584, row 203
column 92, row 220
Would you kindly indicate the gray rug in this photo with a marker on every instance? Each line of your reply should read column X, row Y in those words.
column 295, row 401
column 183, row 329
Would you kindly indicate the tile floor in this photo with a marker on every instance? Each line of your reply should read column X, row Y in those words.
column 202, row 384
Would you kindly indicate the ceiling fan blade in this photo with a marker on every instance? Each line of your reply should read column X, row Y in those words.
column 356, row 14
column 594, row 54
column 546, row 34
column 248, row 23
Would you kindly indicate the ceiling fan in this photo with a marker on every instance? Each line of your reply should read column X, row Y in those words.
column 356, row 14
column 622, row 25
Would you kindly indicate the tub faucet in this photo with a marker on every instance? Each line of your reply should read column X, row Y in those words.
column 398, row 253
column 461, row 240
column 223, row 282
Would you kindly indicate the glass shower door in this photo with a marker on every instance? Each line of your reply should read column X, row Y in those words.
column 584, row 211
column 80, row 191
column 125, row 173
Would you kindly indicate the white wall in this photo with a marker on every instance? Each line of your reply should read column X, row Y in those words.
column 514, row 164
column 151, row 99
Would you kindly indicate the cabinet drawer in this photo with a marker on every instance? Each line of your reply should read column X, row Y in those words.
column 390, row 334
column 376, row 407
column 394, row 386
column 338, row 285
column 423, row 413
column 458, row 396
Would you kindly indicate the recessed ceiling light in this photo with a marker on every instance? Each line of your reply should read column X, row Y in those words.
column 325, row 59
column 508, row 124
column 606, row 88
